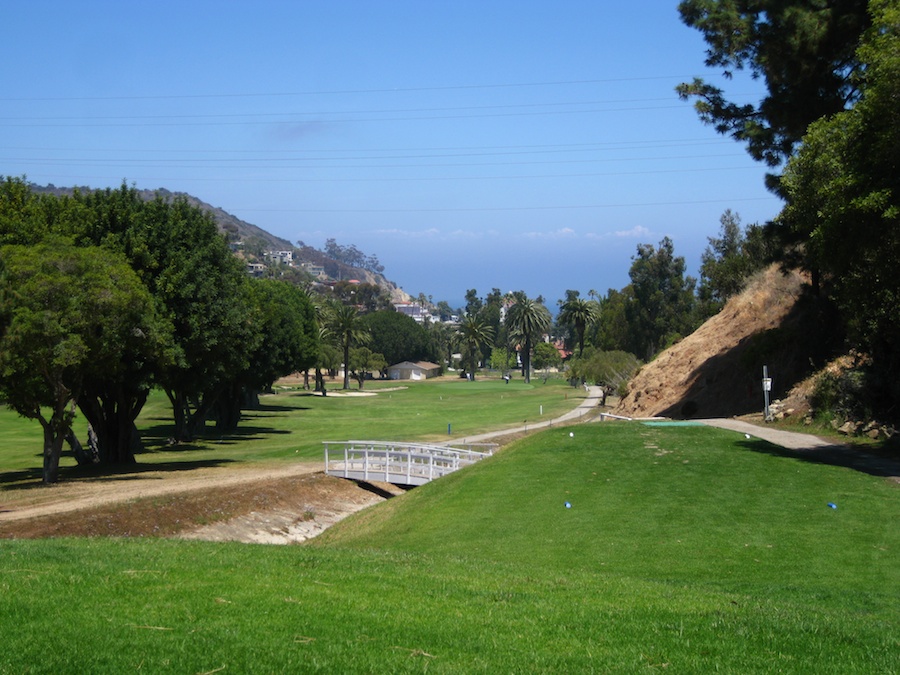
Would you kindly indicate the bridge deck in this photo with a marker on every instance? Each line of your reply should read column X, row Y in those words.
column 399, row 463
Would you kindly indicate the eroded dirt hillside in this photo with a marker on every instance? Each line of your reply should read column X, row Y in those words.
column 717, row 370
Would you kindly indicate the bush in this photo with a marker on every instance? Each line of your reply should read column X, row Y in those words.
column 844, row 395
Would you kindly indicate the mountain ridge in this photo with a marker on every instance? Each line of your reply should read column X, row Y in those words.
column 256, row 239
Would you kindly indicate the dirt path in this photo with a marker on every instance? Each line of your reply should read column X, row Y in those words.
column 79, row 495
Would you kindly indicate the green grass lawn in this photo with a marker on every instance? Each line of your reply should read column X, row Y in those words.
column 682, row 550
column 292, row 423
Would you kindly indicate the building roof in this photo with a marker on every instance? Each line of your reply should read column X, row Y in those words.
column 424, row 365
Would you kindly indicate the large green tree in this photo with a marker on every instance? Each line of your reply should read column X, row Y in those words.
column 546, row 356
column 364, row 362
column 198, row 286
column 610, row 330
column 285, row 340
column 528, row 320
column 397, row 337
column 188, row 267
column 70, row 316
column 661, row 309
column 444, row 339
column 804, row 51
column 843, row 200
column 728, row 261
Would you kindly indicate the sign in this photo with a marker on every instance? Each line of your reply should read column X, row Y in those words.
column 767, row 384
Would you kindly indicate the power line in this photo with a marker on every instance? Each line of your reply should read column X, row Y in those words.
column 402, row 179
column 488, row 209
column 464, row 150
column 218, row 164
column 332, row 121
column 325, row 92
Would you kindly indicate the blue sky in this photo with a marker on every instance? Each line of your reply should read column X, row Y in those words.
column 518, row 145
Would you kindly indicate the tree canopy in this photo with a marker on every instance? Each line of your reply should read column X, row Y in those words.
column 843, row 201
column 474, row 333
column 661, row 310
column 397, row 337
column 805, row 53
column 206, row 332
column 70, row 317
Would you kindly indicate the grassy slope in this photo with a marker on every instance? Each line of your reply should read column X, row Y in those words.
column 293, row 423
column 685, row 549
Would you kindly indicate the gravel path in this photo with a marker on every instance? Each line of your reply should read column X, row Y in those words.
column 592, row 401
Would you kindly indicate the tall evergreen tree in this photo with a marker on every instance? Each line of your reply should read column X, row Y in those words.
column 804, row 52
column 661, row 310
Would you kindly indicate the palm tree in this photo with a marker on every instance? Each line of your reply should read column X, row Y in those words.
column 345, row 321
column 474, row 333
column 445, row 339
column 528, row 320
column 579, row 314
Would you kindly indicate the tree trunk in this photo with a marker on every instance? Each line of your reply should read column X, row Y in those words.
column 230, row 404
column 112, row 416
column 347, row 363
column 319, row 380
column 197, row 420
column 55, row 432
column 526, row 361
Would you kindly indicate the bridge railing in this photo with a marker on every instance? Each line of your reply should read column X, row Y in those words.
column 399, row 463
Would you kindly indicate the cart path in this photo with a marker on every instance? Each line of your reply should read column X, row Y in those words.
column 44, row 500
column 814, row 448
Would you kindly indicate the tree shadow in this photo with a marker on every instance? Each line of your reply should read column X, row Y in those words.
column 265, row 407
column 26, row 478
column 160, row 438
column 844, row 456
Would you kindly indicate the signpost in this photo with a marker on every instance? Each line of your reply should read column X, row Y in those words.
column 767, row 387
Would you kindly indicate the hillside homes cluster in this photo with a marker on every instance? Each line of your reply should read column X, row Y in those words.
column 257, row 269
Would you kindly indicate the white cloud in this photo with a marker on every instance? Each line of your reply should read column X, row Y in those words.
column 636, row 232
column 562, row 233
column 397, row 232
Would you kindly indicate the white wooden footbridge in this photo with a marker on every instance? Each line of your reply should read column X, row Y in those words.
column 400, row 463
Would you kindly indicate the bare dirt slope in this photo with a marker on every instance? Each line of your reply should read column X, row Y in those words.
column 717, row 370
column 278, row 503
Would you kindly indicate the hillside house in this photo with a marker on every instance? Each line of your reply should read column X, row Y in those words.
column 317, row 271
column 418, row 313
column 286, row 257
